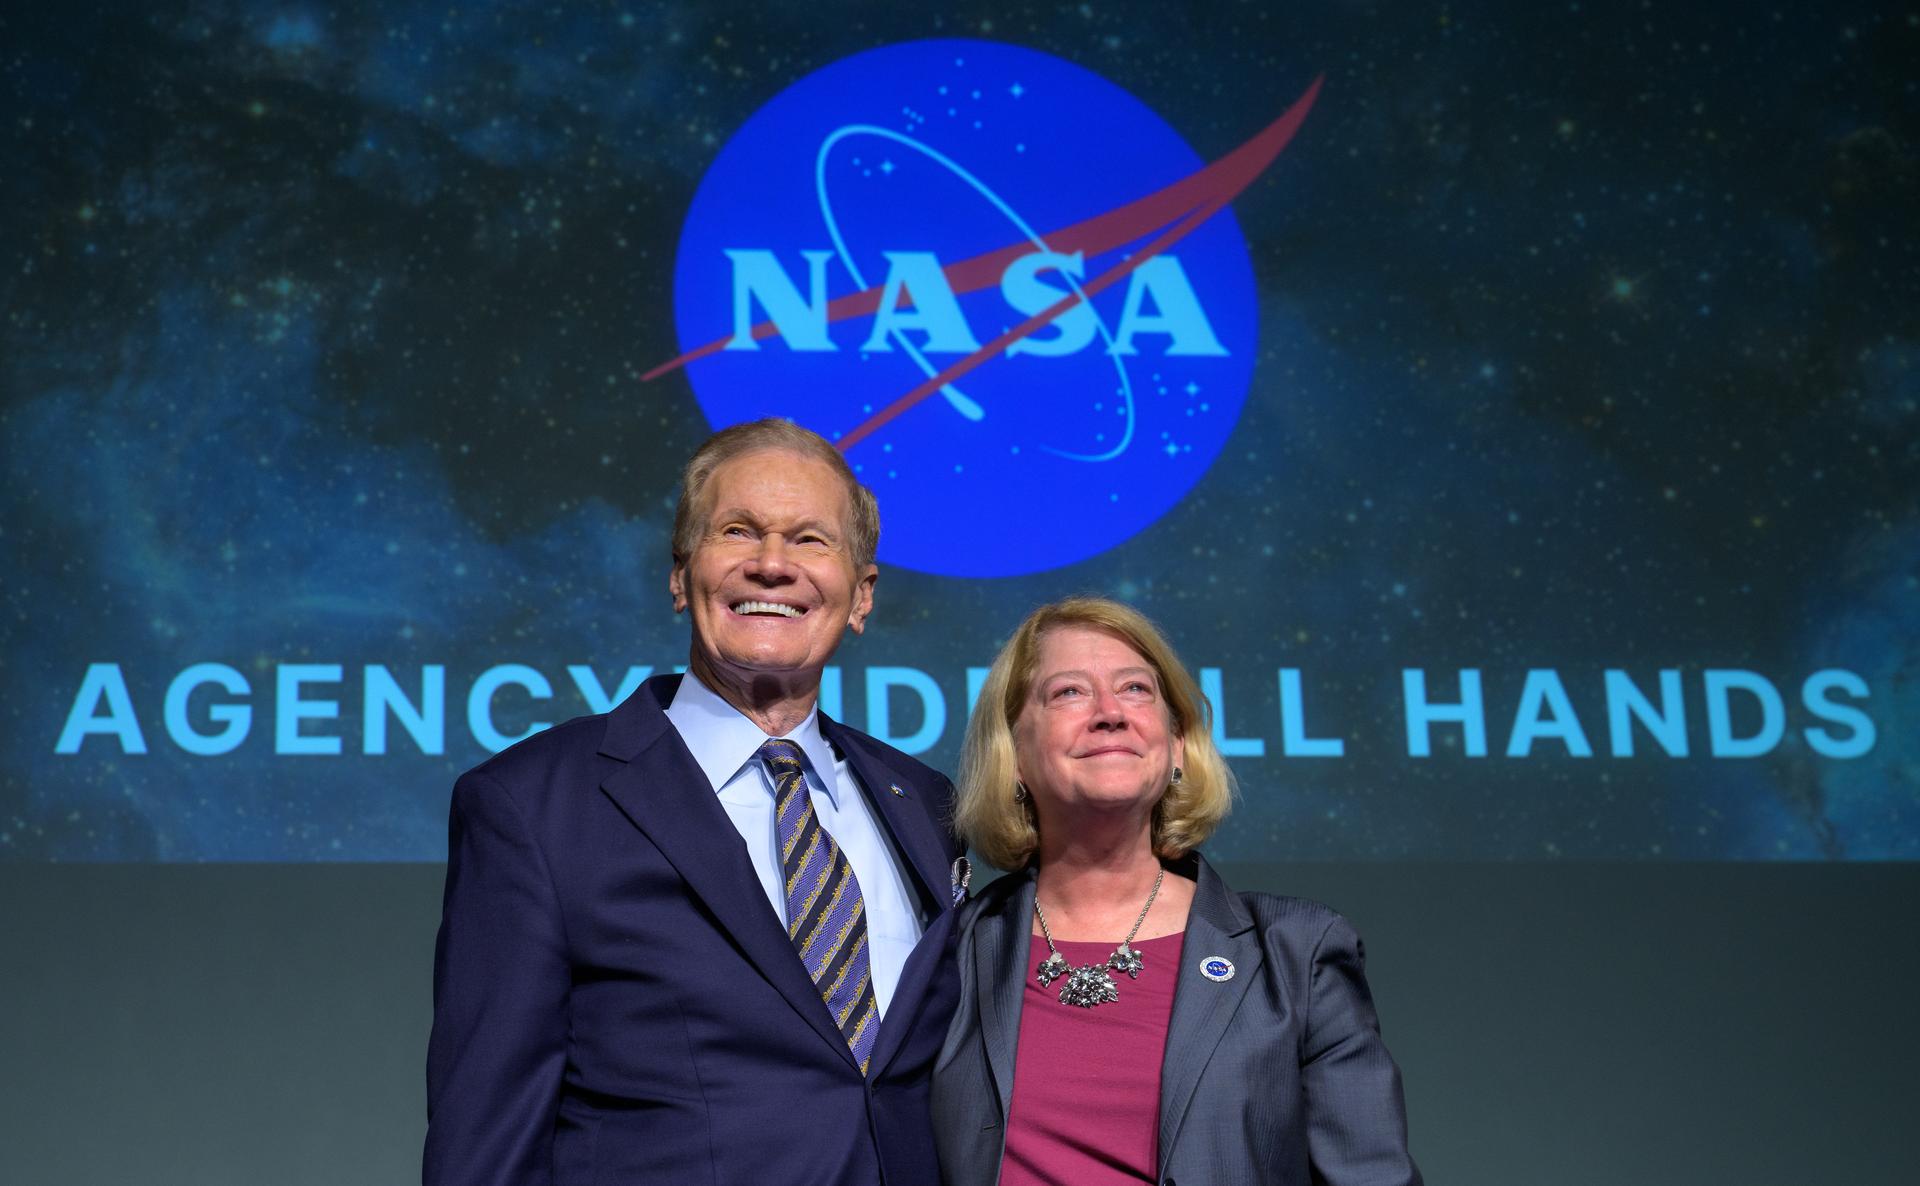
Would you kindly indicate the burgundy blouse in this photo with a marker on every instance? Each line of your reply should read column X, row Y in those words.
column 1086, row 1082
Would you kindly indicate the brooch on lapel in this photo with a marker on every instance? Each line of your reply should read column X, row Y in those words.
column 1217, row 968
column 962, row 878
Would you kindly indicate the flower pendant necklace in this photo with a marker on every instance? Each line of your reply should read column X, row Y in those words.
column 1092, row 984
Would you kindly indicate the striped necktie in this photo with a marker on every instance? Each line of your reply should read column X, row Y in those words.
column 826, row 918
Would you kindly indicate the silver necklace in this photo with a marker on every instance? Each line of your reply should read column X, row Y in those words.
column 1092, row 984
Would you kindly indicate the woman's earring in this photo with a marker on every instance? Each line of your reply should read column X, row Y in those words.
column 1019, row 792
column 1178, row 774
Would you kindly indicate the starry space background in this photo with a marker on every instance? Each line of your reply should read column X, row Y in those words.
column 1589, row 340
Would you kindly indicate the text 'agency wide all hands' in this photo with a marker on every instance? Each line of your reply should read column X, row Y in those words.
column 320, row 709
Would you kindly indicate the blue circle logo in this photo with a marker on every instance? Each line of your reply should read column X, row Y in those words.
column 1006, row 289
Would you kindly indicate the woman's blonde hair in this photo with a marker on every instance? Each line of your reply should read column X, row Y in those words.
column 1002, row 828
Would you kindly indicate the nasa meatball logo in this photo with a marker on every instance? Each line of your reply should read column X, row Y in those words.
column 1008, row 291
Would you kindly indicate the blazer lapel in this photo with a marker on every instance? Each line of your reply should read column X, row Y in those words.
column 663, row 791
column 1003, row 939
column 1218, row 925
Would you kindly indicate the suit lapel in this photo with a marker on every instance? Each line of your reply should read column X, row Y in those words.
column 1003, row 939
column 662, row 790
column 902, row 814
column 903, row 1011
column 1218, row 925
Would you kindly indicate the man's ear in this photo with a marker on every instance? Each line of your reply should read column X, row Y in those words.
column 677, row 585
column 863, row 599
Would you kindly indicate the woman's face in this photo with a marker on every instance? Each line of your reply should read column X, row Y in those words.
column 1095, row 733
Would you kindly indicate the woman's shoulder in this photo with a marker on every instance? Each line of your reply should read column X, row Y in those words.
column 1289, row 915
column 1297, row 923
column 994, row 896
column 1300, row 935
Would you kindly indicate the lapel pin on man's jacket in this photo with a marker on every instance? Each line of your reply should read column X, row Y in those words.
column 895, row 788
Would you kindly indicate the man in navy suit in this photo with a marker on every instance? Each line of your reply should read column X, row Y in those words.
column 694, row 939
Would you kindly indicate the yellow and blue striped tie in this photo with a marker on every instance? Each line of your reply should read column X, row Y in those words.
column 826, row 918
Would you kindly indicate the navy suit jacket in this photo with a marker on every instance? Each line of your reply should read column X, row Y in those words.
column 615, row 1000
column 1276, row 1075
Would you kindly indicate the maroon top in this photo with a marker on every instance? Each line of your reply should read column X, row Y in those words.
column 1086, row 1082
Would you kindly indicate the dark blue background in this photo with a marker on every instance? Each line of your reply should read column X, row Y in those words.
column 1588, row 340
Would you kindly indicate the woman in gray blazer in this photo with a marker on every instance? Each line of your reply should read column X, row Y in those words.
column 1124, row 1016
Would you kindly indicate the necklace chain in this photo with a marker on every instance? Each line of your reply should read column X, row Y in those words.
column 1092, row 984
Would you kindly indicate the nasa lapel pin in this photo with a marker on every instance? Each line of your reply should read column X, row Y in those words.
column 895, row 788
column 1217, row 968
column 962, row 878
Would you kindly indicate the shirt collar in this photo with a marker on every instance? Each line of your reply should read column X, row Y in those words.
column 722, row 739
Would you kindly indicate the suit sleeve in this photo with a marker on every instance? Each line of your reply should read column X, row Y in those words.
column 1356, row 1113
column 500, row 984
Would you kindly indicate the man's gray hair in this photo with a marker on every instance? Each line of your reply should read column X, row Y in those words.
column 689, row 517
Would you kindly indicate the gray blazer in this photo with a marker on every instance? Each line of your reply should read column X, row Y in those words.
column 1276, row 1075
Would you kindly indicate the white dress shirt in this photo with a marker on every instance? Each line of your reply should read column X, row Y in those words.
column 726, row 745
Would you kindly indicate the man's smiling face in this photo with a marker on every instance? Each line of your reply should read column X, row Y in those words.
column 771, row 582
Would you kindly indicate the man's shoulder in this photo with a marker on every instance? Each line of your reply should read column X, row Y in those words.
column 612, row 736
column 534, row 760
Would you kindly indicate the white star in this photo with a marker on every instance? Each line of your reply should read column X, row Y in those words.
column 1016, row 90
